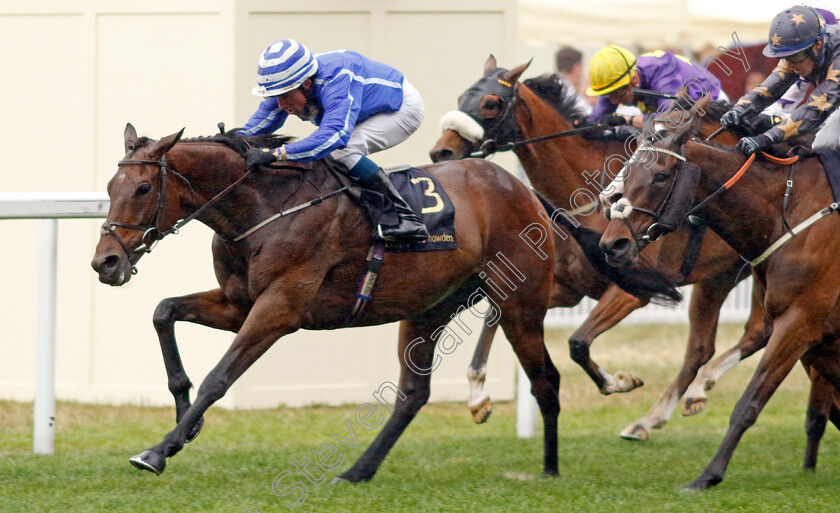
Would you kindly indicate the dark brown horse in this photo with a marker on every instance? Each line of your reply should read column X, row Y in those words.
column 798, row 280
column 301, row 270
column 568, row 172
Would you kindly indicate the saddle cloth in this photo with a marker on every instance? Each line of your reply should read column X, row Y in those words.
column 426, row 197
column 830, row 159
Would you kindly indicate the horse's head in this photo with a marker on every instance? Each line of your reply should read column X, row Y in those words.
column 144, row 204
column 657, row 189
column 485, row 111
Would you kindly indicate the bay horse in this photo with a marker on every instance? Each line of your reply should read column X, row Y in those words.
column 564, row 170
column 798, row 278
column 301, row 270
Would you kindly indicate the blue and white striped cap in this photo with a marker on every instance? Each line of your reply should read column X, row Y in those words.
column 283, row 66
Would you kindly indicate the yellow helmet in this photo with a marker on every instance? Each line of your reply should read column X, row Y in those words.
column 609, row 69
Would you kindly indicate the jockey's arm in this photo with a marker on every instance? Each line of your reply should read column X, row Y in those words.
column 266, row 119
column 808, row 117
column 341, row 100
column 770, row 90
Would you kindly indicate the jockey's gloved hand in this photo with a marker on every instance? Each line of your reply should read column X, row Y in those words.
column 750, row 145
column 764, row 122
column 579, row 121
column 732, row 120
column 612, row 120
column 256, row 157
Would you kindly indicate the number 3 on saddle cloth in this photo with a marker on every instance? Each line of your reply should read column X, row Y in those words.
column 426, row 197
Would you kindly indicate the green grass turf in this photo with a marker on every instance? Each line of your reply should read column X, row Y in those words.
column 443, row 462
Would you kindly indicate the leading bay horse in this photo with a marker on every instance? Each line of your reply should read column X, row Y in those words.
column 567, row 171
column 300, row 271
column 748, row 206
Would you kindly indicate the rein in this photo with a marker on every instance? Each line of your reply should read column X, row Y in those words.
column 152, row 234
column 490, row 146
column 791, row 232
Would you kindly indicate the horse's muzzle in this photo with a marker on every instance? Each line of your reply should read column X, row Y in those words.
column 620, row 252
column 112, row 268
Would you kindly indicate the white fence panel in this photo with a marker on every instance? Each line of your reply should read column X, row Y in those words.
column 736, row 308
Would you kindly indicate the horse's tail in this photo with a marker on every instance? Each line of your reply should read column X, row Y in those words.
column 644, row 282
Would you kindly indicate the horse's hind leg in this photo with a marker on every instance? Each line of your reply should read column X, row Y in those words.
column 823, row 398
column 820, row 402
column 524, row 329
column 706, row 299
column 416, row 352
column 613, row 306
column 210, row 308
column 754, row 338
column 479, row 402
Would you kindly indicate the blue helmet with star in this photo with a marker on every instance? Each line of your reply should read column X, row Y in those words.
column 794, row 30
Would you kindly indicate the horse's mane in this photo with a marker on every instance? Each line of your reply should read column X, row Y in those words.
column 644, row 282
column 240, row 143
column 556, row 92
column 713, row 111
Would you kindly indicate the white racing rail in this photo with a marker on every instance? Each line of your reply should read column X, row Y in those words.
column 49, row 207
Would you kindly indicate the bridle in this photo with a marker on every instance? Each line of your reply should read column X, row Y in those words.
column 654, row 231
column 505, row 125
column 506, row 92
column 152, row 233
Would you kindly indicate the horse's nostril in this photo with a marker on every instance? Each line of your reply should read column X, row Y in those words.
column 441, row 155
column 110, row 262
column 615, row 197
column 620, row 246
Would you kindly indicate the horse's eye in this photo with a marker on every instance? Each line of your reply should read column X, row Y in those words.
column 142, row 190
column 493, row 105
column 659, row 177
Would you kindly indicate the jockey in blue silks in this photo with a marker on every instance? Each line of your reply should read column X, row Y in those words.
column 360, row 106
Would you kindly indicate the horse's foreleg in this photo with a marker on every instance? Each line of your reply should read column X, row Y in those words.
column 706, row 299
column 754, row 338
column 793, row 333
column 266, row 322
column 612, row 307
column 416, row 352
column 210, row 308
column 479, row 402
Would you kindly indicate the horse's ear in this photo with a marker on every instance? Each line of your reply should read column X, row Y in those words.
column 684, row 131
column 513, row 75
column 168, row 142
column 130, row 136
column 490, row 64
column 699, row 108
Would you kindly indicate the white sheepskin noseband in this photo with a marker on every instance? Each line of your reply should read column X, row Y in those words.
column 467, row 127
column 621, row 209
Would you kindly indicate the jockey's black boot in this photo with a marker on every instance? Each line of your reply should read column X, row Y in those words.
column 409, row 228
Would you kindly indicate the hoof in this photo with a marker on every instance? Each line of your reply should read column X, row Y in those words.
column 149, row 460
column 693, row 406
column 635, row 433
column 701, row 483
column 195, row 430
column 626, row 382
column 482, row 411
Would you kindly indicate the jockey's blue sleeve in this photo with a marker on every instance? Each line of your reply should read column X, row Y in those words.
column 266, row 119
column 341, row 99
